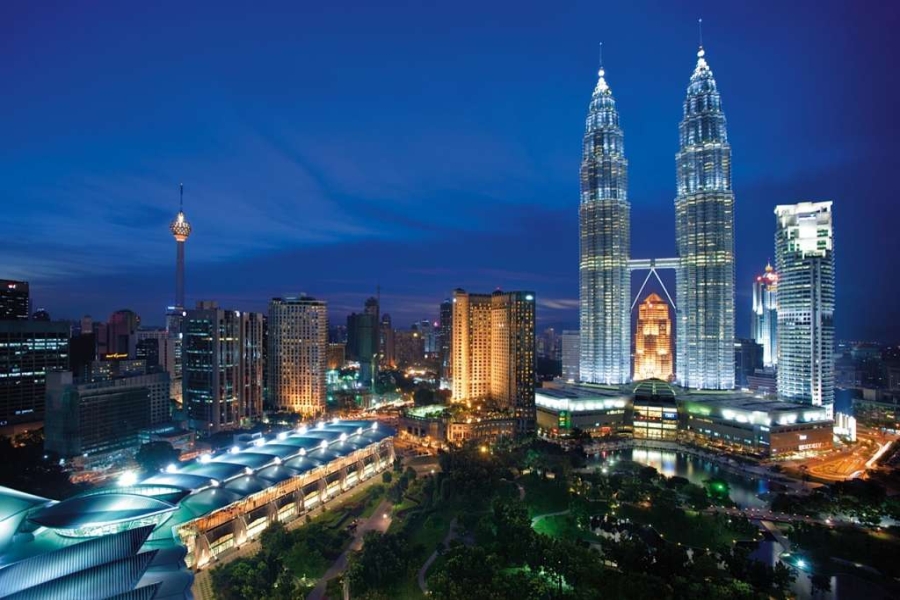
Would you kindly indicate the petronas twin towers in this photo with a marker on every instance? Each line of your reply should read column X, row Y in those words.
column 704, row 215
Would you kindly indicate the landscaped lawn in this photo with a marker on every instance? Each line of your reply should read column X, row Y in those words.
column 562, row 527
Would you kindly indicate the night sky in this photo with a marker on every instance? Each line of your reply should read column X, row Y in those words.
column 331, row 147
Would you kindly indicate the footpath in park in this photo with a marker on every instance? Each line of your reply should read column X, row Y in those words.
column 379, row 521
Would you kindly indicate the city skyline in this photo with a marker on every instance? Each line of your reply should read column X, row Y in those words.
column 488, row 166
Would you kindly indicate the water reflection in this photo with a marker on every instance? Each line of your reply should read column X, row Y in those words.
column 745, row 489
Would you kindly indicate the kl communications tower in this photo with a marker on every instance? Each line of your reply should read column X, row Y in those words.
column 181, row 229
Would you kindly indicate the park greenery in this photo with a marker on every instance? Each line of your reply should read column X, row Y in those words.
column 289, row 562
column 528, row 521
column 500, row 550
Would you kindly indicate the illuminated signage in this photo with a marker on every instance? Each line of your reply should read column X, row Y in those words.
column 115, row 356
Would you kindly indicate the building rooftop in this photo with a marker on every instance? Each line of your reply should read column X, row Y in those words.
column 185, row 491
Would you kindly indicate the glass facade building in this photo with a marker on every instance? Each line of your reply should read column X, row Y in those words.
column 28, row 351
column 804, row 259
column 704, row 235
column 764, row 321
column 222, row 376
column 571, row 355
column 605, row 240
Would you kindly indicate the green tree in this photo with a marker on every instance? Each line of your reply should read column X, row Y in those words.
column 155, row 456
column 467, row 574
column 382, row 563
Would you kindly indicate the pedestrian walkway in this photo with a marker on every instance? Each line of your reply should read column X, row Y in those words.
column 379, row 521
column 451, row 533
column 202, row 587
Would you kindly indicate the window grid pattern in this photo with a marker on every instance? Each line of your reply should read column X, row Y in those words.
column 804, row 259
column 605, row 240
column 704, row 231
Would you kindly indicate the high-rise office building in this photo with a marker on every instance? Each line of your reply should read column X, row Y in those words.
column 548, row 345
column 446, row 332
column 764, row 320
column 298, row 354
column 704, row 236
column 15, row 301
column 336, row 356
column 653, row 340
column 493, row 352
column 121, row 335
column 748, row 359
column 605, row 238
column 386, row 343
column 409, row 346
column 804, row 259
column 85, row 418
column 222, row 371
column 28, row 351
column 428, row 331
column 362, row 340
column 157, row 347
column 571, row 355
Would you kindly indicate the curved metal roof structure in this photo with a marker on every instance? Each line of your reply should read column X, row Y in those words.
column 85, row 511
column 122, row 538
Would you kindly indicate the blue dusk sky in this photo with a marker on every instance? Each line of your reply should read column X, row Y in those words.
column 331, row 147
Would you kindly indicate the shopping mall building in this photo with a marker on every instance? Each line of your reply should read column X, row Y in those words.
column 656, row 410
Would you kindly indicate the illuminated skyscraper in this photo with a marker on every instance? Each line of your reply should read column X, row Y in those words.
column 223, row 367
column 298, row 354
column 446, row 328
column 704, row 235
column 804, row 258
column 493, row 352
column 15, row 301
column 604, row 219
column 653, row 340
column 764, row 321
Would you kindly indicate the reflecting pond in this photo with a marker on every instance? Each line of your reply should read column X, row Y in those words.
column 745, row 490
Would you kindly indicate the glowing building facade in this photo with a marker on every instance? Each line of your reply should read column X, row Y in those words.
column 704, row 234
column 493, row 352
column 298, row 354
column 804, row 259
column 764, row 320
column 653, row 340
column 222, row 377
column 605, row 238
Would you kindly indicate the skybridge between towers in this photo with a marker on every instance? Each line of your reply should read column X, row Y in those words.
column 652, row 265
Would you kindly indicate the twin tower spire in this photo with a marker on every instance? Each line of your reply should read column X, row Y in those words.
column 704, row 209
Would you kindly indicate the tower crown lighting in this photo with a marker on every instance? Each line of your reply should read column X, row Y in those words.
column 180, row 227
